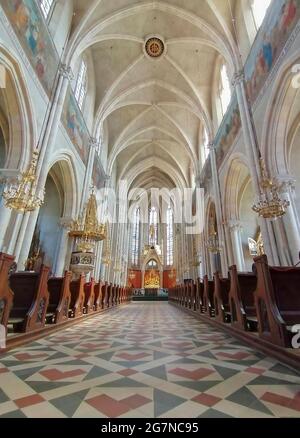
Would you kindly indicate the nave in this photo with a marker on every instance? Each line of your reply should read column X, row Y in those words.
column 145, row 360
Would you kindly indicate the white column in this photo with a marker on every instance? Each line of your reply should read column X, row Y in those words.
column 253, row 153
column 235, row 231
column 5, row 216
column 25, row 238
column 60, row 264
column 219, row 210
column 291, row 222
column 48, row 139
column 52, row 123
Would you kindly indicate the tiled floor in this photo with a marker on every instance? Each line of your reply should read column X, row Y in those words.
column 145, row 360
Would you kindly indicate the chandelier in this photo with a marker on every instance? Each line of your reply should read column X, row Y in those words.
column 106, row 256
column 270, row 205
column 86, row 229
column 22, row 196
column 213, row 244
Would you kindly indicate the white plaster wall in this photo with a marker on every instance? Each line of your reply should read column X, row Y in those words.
column 60, row 23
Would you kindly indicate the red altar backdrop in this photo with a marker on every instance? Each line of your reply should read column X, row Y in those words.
column 169, row 282
column 135, row 279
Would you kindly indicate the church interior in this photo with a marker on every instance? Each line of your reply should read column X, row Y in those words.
column 150, row 209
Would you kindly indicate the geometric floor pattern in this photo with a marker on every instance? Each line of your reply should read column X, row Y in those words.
column 145, row 360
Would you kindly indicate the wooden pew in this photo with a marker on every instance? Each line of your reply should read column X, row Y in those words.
column 77, row 297
column 190, row 303
column 59, row 299
column 6, row 294
column 98, row 296
column 194, row 296
column 105, row 295
column 31, row 298
column 221, row 298
column 277, row 300
column 208, row 306
column 89, row 300
column 109, row 295
column 113, row 295
column 242, row 300
column 200, row 293
column 119, row 295
column 105, row 292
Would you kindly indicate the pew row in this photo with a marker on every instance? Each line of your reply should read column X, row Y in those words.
column 277, row 302
column 6, row 294
column 59, row 299
column 31, row 298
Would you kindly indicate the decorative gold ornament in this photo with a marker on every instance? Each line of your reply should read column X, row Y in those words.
column 270, row 205
column 86, row 229
column 213, row 244
column 22, row 197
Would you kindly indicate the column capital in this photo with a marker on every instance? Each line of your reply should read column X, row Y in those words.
column 235, row 225
column 287, row 184
column 238, row 77
column 211, row 146
column 66, row 222
column 94, row 143
column 66, row 71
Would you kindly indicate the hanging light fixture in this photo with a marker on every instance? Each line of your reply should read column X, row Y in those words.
column 86, row 229
column 213, row 244
column 106, row 255
column 22, row 196
column 270, row 204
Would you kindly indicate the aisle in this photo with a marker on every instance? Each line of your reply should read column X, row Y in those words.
column 144, row 360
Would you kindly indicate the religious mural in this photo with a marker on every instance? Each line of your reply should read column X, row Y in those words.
column 97, row 177
column 271, row 39
column 206, row 177
column 74, row 123
column 228, row 130
column 30, row 28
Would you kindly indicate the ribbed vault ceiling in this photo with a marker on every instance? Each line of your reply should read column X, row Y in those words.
column 153, row 111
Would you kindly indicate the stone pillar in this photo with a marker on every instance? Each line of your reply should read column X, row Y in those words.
column 53, row 120
column 5, row 216
column 48, row 138
column 291, row 223
column 219, row 210
column 93, row 144
column 60, row 264
column 236, row 238
column 25, row 238
column 253, row 154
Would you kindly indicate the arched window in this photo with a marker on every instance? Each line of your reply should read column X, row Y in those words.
column 46, row 6
column 170, row 237
column 259, row 9
column 153, row 227
column 224, row 89
column 136, row 237
column 81, row 85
